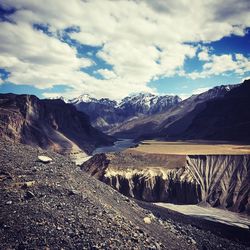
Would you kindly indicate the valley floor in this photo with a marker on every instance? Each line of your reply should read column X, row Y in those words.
column 192, row 148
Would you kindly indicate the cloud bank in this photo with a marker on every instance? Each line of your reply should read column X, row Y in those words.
column 134, row 42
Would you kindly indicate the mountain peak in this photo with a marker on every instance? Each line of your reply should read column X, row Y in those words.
column 59, row 98
column 218, row 91
column 83, row 98
column 149, row 100
column 105, row 113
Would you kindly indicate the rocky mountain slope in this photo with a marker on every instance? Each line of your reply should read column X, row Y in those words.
column 219, row 180
column 226, row 118
column 49, row 124
column 57, row 205
column 106, row 114
column 102, row 113
column 173, row 122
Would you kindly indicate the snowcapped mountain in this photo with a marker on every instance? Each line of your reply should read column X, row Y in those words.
column 58, row 98
column 174, row 121
column 86, row 98
column 148, row 103
column 82, row 98
column 105, row 113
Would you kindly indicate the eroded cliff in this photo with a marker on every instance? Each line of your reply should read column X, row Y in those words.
column 49, row 124
column 220, row 180
column 224, row 180
column 155, row 184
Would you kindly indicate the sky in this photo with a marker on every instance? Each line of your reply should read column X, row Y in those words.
column 108, row 48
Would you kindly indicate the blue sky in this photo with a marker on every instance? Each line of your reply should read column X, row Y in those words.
column 116, row 48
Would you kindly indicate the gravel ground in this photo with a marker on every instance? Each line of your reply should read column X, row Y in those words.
column 57, row 206
column 207, row 234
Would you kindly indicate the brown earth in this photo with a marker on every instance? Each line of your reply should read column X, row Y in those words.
column 191, row 148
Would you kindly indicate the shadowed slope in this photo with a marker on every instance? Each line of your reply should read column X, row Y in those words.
column 50, row 124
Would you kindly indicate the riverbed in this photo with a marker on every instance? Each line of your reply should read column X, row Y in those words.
column 210, row 213
column 120, row 145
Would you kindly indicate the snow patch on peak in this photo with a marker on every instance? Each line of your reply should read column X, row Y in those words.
column 59, row 98
column 83, row 98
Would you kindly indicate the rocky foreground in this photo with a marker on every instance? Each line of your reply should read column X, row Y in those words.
column 56, row 205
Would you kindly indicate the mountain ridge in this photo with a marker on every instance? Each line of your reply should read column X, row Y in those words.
column 49, row 124
column 106, row 114
column 156, row 125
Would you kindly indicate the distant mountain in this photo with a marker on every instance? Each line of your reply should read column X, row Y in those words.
column 102, row 113
column 106, row 114
column 49, row 124
column 175, row 121
column 83, row 98
column 147, row 104
column 59, row 98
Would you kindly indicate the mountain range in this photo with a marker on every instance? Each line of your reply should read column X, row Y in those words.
column 217, row 114
column 106, row 114
column 171, row 123
column 220, row 113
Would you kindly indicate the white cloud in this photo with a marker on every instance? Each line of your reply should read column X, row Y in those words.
column 197, row 91
column 106, row 74
column 245, row 78
column 222, row 64
column 141, row 40
column 184, row 96
column 203, row 55
column 36, row 59
column 52, row 95
column 200, row 90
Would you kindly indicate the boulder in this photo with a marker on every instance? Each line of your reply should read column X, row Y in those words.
column 44, row 159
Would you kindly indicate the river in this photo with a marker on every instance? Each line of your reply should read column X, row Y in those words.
column 118, row 146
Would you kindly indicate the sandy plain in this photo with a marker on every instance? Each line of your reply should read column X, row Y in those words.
column 192, row 148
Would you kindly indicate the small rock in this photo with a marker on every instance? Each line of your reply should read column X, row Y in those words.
column 44, row 159
column 172, row 230
column 29, row 195
column 147, row 220
column 9, row 202
column 158, row 247
column 192, row 241
column 71, row 233
column 28, row 184
column 74, row 192
column 84, row 197
column 135, row 239
column 127, row 199
column 34, row 169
